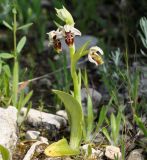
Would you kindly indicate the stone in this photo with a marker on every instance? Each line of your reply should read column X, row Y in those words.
column 62, row 113
column 43, row 139
column 96, row 99
column 136, row 155
column 48, row 121
column 112, row 152
column 32, row 135
column 8, row 128
column 95, row 152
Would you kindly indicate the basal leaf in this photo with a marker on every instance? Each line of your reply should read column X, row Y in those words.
column 74, row 110
column 60, row 148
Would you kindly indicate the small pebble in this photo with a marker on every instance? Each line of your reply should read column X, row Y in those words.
column 32, row 135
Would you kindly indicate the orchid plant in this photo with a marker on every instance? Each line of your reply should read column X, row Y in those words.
column 72, row 101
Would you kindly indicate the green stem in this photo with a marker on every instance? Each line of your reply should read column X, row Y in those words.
column 16, row 65
column 76, row 80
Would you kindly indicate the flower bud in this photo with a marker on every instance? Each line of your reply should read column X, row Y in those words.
column 65, row 16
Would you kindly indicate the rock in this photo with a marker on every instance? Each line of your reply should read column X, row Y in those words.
column 32, row 135
column 112, row 152
column 136, row 155
column 96, row 99
column 95, row 153
column 32, row 150
column 62, row 113
column 48, row 121
column 43, row 139
column 8, row 128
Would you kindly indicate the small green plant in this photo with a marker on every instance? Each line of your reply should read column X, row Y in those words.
column 141, row 125
column 15, row 92
column 90, row 131
column 72, row 102
column 143, row 33
column 115, row 123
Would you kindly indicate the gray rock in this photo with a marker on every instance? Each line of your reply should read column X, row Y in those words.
column 136, row 155
column 43, row 139
column 96, row 99
column 62, row 113
column 48, row 121
column 8, row 128
column 112, row 152
column 32, row 135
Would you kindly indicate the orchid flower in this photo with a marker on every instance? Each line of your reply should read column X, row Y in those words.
column 94, row 55
column 54, row 39
column 69, row 32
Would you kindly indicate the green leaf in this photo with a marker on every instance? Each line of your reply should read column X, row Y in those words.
column 90, row 118
column 101, row 118
column 21, row 44
column 24, row 100
column 7, row 25
column 6, row 55
column 81, row 52
column 74, row 110
column 118, row 123
column 113, row 126
column 5, row 153
column 24, row 26
column 141, row 125
column 105, row 132
column 7, row 70
column 60, row 148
